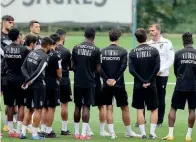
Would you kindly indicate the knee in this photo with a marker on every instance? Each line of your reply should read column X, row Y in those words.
column 110, row 108
column 64, row 107
column 101, row 108
column 192, row 111
column 125, row 109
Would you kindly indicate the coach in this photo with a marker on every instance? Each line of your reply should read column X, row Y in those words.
column 165, row 48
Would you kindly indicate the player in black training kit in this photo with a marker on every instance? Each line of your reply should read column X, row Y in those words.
column 7, row 25
column 30, row 42
column 114, row 63
column 65, row 85
column 14, row 55
column 100, row 103
column 85, row 62
column 33, row 69
column 144, row 64
column 34, row 27
column 52, row 79
column 185, row 89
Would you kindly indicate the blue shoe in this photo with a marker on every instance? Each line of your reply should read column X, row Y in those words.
column 22, row 136
column 37, row 137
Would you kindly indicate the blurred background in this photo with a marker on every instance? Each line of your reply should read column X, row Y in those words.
column 175, row 16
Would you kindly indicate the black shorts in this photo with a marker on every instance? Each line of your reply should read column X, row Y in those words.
column 83, row 96
column 35, row 97
column 98, row 98
column 52, row 98
column 120, row 95
column 14, row 96
column 145, row 97
column 179, row 100
column 65, row 94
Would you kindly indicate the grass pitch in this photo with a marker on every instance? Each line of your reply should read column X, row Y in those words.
column 126, row 41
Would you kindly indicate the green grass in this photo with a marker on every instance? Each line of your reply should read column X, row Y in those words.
column 126, row 41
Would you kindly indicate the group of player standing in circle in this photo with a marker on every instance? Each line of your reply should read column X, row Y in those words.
column 35, row 75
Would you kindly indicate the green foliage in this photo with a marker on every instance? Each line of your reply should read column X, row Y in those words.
column 176, row 18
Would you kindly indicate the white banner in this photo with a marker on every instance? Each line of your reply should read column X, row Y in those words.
column 82, row 11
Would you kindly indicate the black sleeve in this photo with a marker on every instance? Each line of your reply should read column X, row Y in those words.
column 42, row 65
column 103, row 75
column 69, row 60
column 4, row 67
column 98, row 56
column 133, row 71
column 156, row 67
column 175, row 65
column 24, row 69
column 122, row 67
column 73, row 59
column 26, row 52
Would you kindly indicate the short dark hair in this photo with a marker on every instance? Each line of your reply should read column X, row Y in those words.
column 7, row 18
column 46, row 41
column 61, row 32
column 32, row 22
column 114, row 34
column 13, row 34
column 90, row 33
column 55, row 38
column 141, row 35
column 187, row 38
column 30, row 39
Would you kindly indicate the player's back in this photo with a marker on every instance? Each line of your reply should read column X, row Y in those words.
column 33, row 60
column 66, row 60
column 54, row 63
column 185, row 69
column 85, row 57
column 111, row 59
column 144, row 59
column 14, row 55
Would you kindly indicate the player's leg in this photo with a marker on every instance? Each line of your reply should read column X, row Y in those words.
column 50, row 118
column 151, row 100
column 5, row 127
column 99, row 101
column 85, row 121
column 65, row 97
column 38, row 100
column 87, row 102
column 53, row 102
column 64, row 116
column 28, row 112
column 44, row 116
column 138, row 102
column 161, row 90
column 122, row 102
column 4, row 89
column 178, row 102
column 77, row 112
column 108, row 93
column 102, row 120
column 15, row 118
column 191, row 119
column 20, row 106
column 43, row 120
column 9, row 101
column 27, row 119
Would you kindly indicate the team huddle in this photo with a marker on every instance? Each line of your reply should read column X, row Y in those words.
column 35, row 80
